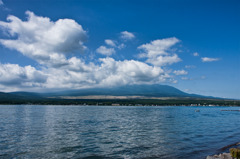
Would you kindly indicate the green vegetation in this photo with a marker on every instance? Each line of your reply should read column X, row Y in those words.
column 173, row 102
column 59, row 99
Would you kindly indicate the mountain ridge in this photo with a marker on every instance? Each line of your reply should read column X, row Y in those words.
column 154, row 90
column 122, row 95
column 129, row 90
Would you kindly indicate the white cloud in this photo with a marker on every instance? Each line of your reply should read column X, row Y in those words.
column 43, row 40
column 105, row 51
column 158, row 51
column 1, row 2
column 129, row 72
column 174, row 81
column 185, row 78
column 78, row 75
column 15, row 75
column 127, row 35
column 159, row 47
column 121, row 46
column 114, row 44
column 195, row 54
column 164, row 60
column 208, row 59
column 195, row 78
column 50, row 42
column 190, row 66
column 180, row 72
column 110, row 43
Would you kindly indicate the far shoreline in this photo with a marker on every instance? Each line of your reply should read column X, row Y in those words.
column 138, row 105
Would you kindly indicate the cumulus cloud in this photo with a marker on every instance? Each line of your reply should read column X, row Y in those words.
column 50, row 42
column 78, row 75
column 157, row 52
column 44, row 40
column 195, row 54
column 110, row 43
column 180, row 72
column 208, row 59
column 129, row 72
column 28, row 76
column 114, row 44
column 164, row 60
column 108, row 73
column 105, row 51
column 125, row 35
column 159, row 47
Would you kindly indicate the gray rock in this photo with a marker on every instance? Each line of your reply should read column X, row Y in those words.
column 220, row 156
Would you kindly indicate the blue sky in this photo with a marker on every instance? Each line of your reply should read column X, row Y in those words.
column 69, row 44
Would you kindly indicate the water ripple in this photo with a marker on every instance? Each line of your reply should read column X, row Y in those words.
column 87, row 132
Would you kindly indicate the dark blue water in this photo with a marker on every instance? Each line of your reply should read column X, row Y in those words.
column 115, row 132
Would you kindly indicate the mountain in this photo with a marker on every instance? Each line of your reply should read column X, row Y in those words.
column 124, row 95
column 27, row 94
column 8, row 96
column 19, row 97
column 128, row 90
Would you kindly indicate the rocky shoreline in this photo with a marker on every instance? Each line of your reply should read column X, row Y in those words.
column 220, row 156
column 225, row 155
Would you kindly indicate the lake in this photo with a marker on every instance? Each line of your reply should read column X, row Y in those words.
column 115, row 132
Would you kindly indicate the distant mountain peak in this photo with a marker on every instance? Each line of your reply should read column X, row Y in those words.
column 155, row 90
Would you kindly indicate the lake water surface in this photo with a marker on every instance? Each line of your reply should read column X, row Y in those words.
column 115, row 132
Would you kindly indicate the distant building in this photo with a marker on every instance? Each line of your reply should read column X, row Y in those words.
column 115, row 104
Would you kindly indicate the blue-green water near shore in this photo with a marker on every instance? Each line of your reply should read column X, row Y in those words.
column 115, row 132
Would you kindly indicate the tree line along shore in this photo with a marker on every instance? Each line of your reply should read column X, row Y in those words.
column 121, row 102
